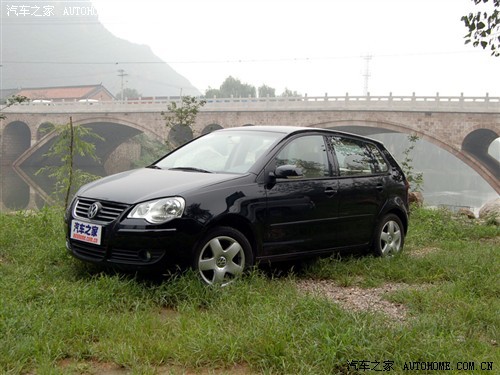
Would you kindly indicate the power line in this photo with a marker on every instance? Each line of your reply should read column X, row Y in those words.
column 83, row 62
column 289, row 59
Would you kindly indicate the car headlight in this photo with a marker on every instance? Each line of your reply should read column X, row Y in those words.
column 159, row 210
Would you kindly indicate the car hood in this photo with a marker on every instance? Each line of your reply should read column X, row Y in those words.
column 144, row 184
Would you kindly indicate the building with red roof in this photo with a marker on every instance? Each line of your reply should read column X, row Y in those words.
column 67, row 93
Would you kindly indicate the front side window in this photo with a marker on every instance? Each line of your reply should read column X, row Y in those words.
column 307, row 153
column 357, row 158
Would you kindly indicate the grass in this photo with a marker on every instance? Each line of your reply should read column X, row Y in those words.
column 60, row 316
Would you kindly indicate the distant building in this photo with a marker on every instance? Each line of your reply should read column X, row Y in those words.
column 67, row 93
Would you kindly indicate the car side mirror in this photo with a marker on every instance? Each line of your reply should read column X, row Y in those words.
column 288, row 171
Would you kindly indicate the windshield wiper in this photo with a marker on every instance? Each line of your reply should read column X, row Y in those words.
column 152, row 166
column 190, row 169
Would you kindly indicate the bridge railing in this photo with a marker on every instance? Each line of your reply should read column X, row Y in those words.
column 345, row 102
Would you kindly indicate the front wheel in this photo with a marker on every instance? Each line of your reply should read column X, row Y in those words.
column 222, row 256
column 389, row 236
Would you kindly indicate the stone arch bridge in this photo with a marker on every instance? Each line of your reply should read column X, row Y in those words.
column 463, row 126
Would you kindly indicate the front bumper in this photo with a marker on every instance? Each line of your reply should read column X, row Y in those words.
column 127, row 245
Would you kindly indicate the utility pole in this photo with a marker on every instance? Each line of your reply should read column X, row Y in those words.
column 367, row 73
column 122, row 74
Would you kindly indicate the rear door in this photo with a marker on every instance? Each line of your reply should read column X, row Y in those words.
column 361, row 171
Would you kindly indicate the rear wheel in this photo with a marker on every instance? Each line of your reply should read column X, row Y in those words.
column 389, row 236
column 222, row 256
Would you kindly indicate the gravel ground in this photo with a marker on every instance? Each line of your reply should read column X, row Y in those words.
column 358, row 299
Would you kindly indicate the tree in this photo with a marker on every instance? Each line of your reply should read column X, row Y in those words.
column 232, row 87
column 184, row 116
column 265, row 91
column 415, row 179
column 128, row 93
column 210, row 93
column 151, row 150
column 70, row 142
column 289, row 92
column 484, row 26
column 11, row 101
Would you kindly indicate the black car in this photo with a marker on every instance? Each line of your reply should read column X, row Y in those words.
column 237, row 196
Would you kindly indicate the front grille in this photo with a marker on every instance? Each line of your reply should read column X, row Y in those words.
column 109, row 211
column 87, row 251
column 125, row 256
column 96, row 253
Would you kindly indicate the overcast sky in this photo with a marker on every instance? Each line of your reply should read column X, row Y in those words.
column 312, row 46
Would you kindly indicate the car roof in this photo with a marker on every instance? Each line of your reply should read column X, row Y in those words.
column 285, row 129
column 290, row 129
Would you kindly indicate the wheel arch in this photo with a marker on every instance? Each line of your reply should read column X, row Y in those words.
column 397, row 207
column 402, row 216
column 239, row 223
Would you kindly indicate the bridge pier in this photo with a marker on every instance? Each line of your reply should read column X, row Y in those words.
column 34, row 139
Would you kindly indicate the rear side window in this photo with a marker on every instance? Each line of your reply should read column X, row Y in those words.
column 357, row 158
column 379, row 163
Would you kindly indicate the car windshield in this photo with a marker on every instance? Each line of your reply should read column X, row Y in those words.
column 221, row 151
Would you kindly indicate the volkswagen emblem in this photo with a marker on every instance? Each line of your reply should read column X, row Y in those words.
column 93, row 210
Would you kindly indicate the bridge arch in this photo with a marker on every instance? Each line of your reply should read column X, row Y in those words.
column 477, row 144
column 210, row 128
column 114, row 131
column 16, row 139
column 125, row 123
column 179, row 134
column 116, row 153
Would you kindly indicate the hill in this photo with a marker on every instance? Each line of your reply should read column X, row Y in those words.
column 44, row 45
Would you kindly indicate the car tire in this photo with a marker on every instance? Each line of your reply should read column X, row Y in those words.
column 389, row 236
column 222, row 256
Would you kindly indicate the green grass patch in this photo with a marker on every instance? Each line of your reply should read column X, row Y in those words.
column 60, row 316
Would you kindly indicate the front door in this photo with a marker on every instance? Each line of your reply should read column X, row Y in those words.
column 302, row 210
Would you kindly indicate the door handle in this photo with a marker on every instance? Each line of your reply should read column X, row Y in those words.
column 380, row 187
column 330, row 192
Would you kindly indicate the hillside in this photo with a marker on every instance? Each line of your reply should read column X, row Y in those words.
column 64, row 50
